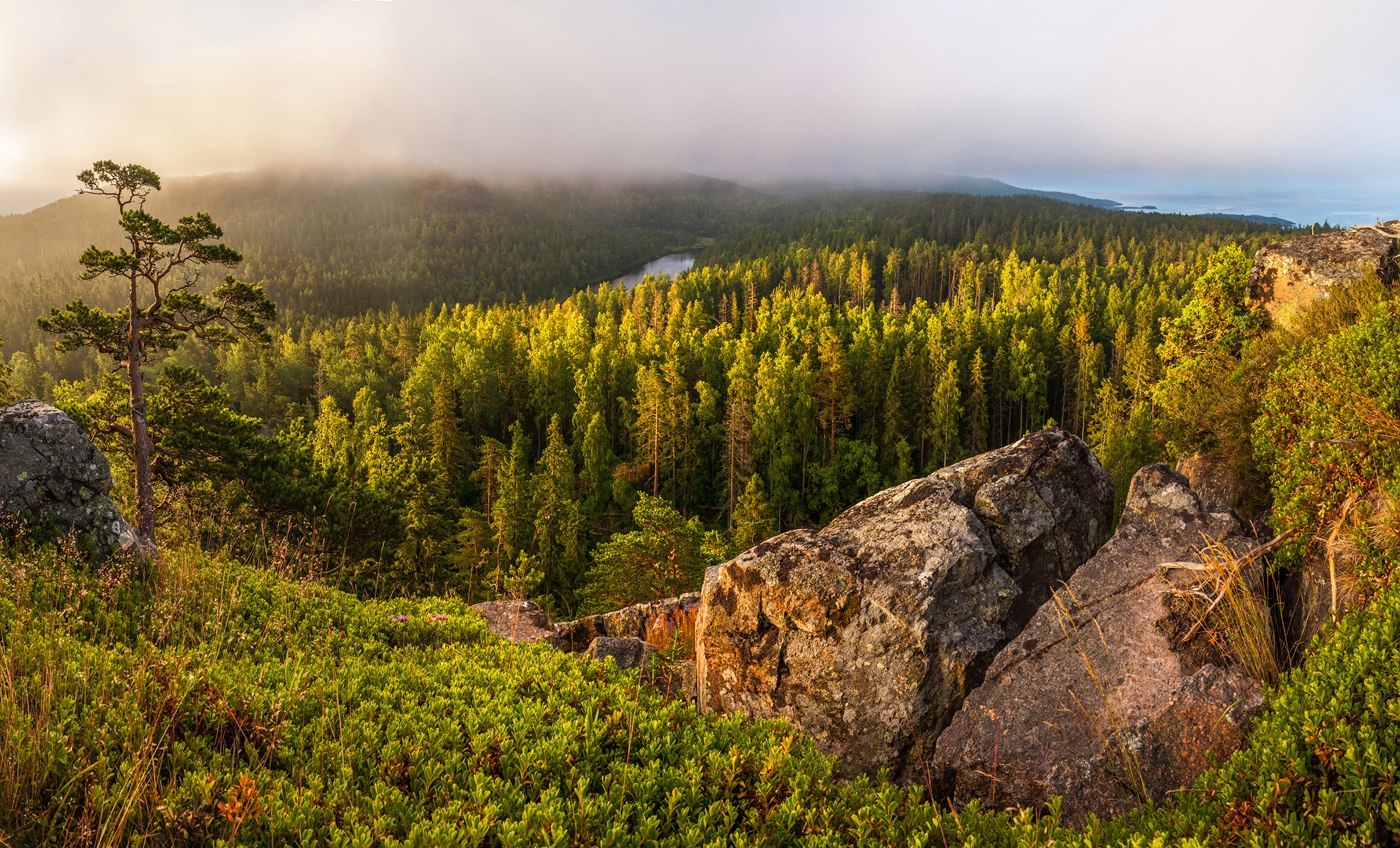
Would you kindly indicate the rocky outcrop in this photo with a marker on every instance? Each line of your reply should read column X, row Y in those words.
column 626, row 651
column 54, row 479
column 868, row 633
column 1096, row 700
column 1290, row 274
column 661, row 624
column 517, row 621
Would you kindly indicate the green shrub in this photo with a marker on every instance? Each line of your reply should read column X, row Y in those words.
column 223, row 704
column 1328, row 432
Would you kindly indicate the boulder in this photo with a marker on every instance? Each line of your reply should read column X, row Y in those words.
column 53, row 478
column 1290, row 274
column 517, row 621
column 1097, row 700
column 868, row 633
column 1213, row 480
column 626, row 651
column 661, row 624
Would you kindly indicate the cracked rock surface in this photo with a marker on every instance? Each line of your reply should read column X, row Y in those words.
column 1096, row 700
column 868, row 633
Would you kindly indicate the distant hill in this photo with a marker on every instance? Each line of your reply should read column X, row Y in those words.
column 336, row 244
column 941, row 184
column 1266, row 220
column 333, row 244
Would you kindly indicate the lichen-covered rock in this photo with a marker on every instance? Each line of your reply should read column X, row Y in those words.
column 53, row 478
column 1290, row 274
column 1096, row 700
column 662, row 624
column 868, row 633
column 626, row 651
column 1221, row 484
column 517, row 621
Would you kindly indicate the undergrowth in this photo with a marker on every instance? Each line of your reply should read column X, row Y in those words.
column 223, row 704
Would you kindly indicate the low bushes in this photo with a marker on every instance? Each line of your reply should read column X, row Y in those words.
column 222, row 704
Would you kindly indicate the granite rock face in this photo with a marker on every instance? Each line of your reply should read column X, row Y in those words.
column 1096, row 700
column 53, row 478
column 1290, row 274
column 868, row 633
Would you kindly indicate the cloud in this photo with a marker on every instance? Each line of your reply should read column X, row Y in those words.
column 1039, row 91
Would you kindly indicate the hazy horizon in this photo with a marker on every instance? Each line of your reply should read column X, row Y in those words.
column 1226, row 107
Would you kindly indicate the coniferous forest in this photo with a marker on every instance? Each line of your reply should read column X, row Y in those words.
column 823, row 349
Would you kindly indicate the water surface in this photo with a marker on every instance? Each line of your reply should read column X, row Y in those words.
column 671, row 264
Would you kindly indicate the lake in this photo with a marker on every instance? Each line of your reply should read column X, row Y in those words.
column 670, row 264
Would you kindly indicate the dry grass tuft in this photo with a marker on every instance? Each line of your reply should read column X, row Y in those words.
column 1235, row 607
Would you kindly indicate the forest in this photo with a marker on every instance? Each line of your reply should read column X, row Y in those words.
column 823, row 349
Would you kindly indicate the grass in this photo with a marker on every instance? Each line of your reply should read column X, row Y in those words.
column 1235, row 607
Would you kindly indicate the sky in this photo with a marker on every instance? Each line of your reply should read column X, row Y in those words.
column 1234, row 101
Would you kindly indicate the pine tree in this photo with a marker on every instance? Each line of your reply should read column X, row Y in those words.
column 332, row 439
column 649, row 427
column 158, row 268
column 599, row 466
column 834, row 397
column 945, row 414
column 665, row 556
column 447, row 446
column 510, row 509
column 738, row 428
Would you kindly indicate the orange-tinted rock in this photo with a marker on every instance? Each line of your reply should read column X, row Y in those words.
column 1290, row 274
column 662, row 624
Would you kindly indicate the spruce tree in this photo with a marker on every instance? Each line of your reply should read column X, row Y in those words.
column 753, row 516
column 557, row 521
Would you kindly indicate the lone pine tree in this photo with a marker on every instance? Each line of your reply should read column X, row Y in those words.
column 160, row 267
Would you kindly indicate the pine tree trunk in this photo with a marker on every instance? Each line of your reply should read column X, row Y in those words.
column 140, row 439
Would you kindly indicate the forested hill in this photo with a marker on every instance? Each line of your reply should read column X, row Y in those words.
column 332, row 244
column 335, row 245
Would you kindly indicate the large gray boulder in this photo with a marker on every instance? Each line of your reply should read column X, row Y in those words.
column 1098, row 700
column 53, row 479
column 868, row 633
column 1288, row 275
